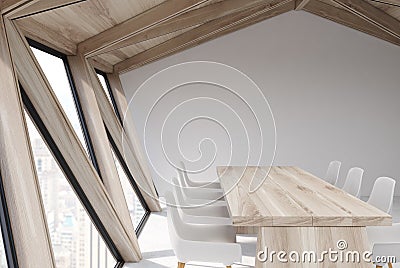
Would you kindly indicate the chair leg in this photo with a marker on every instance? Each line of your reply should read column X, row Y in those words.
column 229, row 266
column 390, row 265
column 378, row 266
column 181, row 265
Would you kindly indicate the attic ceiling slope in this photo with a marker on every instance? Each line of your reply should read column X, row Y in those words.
column 123, row 35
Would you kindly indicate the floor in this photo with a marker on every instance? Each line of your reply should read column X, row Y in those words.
column 157, row 251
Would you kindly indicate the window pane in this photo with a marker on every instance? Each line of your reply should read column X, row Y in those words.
column 3, row 258
column 54, row 69
column 136, row 209
column 105, row 88
column 76, row 242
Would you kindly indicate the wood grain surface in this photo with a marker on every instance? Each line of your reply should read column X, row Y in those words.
column 290, row 196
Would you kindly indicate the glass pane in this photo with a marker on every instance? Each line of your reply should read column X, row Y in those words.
column 136, row 209
column 54, row 69
column 105, row 88
column 3, row 258
column 76, row 242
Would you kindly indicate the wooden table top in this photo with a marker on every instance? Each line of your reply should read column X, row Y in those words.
column 290, row 196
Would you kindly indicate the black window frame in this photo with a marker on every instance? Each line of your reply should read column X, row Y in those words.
column 59, row 157
column 89, row 145
column 122, row 161
column 113, row 102
column 6, row 231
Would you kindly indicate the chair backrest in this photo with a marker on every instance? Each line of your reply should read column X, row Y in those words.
column 173, row 220
column 382, row 194
column 177, row 228
column 180, row 195
column 182, row 176
column 354, row 181
column 332, row 174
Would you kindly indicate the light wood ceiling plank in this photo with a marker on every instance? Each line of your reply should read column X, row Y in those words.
column 100, row 64
column 188, row 19
column 47, row 36
column 203, row 33
column 39, row 6
column 8, row 5
column 300, row 4
column 160, row 13
column 348, row 19
column 372, row 14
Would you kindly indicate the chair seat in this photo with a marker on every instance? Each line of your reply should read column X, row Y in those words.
column 201, row 242
column 384, row 241
column 205, row 219
column 383, row 234
column 205, row 185
column 196, row 251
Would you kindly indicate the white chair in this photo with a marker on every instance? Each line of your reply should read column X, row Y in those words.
column 382, row 194
column 205, row 214
column 199, row 193
column 189, row 183
column 332, row 174
column 354, row 181
column 201, row 242
column 385, row 241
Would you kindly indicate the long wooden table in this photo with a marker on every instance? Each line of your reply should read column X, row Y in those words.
column 293, row 210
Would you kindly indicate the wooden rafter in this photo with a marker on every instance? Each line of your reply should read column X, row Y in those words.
column 300, row 4
column 189, row 19
column 17, row 171
column 83, row 175
column 372, row 14
column 117, row 132
column 389, row 2
column 348, row 19
column 8, row 5
column 205, row 32
column 38, row 6
column 133, row 153
column 85, row 88
column 158, row 14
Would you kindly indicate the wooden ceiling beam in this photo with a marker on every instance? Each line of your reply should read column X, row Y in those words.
column 39, row 6
column 141, row 22
column 300, row 4
column 388, row 2
column 8, row 5
column 189, row 19
column 372, row 14
column 100, row 64
column 205, row 32
column 348, row 19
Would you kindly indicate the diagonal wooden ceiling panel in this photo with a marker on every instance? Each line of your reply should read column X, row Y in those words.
column 206, row 32
column 119, row 55
column 391, row 7
column 131, row 33
column 76, row 23
column 336, row 14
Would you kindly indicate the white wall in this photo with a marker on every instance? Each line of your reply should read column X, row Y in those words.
column 334, row 92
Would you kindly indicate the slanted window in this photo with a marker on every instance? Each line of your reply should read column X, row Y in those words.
column 136, row 210
column 75, row 240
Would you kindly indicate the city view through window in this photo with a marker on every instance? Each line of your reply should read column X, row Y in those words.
column 75, row 240
column 3, row 259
